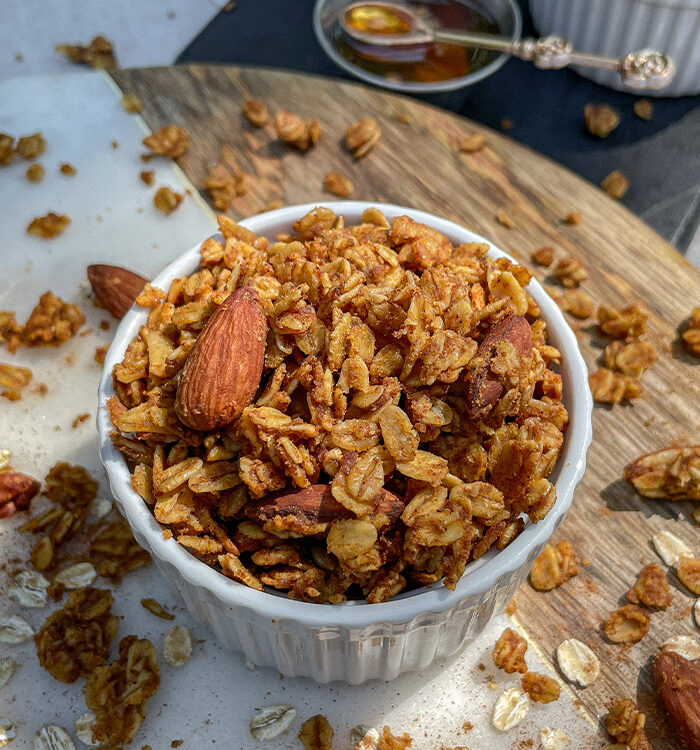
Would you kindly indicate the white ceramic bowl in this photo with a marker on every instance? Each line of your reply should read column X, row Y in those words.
column 353, row 641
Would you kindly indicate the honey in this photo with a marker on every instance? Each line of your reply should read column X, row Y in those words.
column 423, row 63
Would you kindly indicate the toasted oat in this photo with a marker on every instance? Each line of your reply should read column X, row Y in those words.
column 553, row 739
column 601, row 119
column 510, row 709
column 7, row 149
column 14, row 630
column 13, row 380
column 35, row 172
column 543, row 256
column 687, row 646
column 579, row 304
column 509, row 652
column 470, row 144
column 255, row 112
column 337, row 184
column 631, row 358
column 166, row 200
column 52, row 737
column 540, row 688
column 31, row 146
column 652, row 588
column 688, row 570
column 272, row 721
column 625, row 323
column 29, row 589
column 76, row 576
column 555, row 565
column 5, row 458
column 644, row 109
column 132, row 103
column 573, row 217
column 177, row 646
column 98, row 54
column 615, row 184
column 223, row 186
column 362, row 136
column 100, row 354
column 297, row 132
column 670, row 548
column 610, row 387
column 115, row 552
column 569, row 271
column 84, row 726
column 625, row 724
column 316, row 733
column 577, row 662
column 7, row 669
column 48, row 226
column 628, row 624
column 170, row 140
column 691, row 335
column 505, row 219
column 67, row 169
column 157, row 609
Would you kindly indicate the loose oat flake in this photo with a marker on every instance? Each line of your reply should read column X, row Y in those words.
column 7, row 731
column 77, row 576
column 14, row 629
column 83, row 728
column 577, row 662
column 5, row 457
column 29, row 589
column 7, row 669
column 157, row 609
column 686, row 645
column 363, row 737
column 510, row 709
column 670, row 548
column 552, row 739
column 51, row 737
column 272, row 721
column 177, row 646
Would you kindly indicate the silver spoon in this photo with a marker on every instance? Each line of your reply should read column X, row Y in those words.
column 645, row 69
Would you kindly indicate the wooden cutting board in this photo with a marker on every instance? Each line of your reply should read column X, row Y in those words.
column 417, row 163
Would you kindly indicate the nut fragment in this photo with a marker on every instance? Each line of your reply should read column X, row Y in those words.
column 577, row 662
column 77, row 576
column 670, row 548
column 7, row 669
column 156, row 609
column 115, row 287
column 48, row 226
column 509, row 652
column 51, row 737
column 29, row 589
column 687, row 646
column 651, row 588
column 272, row 721
column 554, row 566
column 627, row 624
column 688, row 571
column 170, row 140
column 316, row 733
column 615, row 184
column 255, row 112
column 601, row 119
column 177, row 646
column 540, row 688
column 337, row 184
column 510, row 709
column 362, row 136
column 678, row 685
column 625, row 724
column 14, row 629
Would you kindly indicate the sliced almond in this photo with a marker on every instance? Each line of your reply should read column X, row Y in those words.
column 670, row 548
column 29, row 589
column 577, row 662
column 687, row 646
column 510, row 709
column 77, row 576
column 14, row 630
column 272, row 721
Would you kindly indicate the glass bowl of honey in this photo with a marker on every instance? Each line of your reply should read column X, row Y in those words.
column 421, row 68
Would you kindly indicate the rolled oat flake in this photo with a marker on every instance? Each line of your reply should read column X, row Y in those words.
column 77, row 576
column 369, row 736
column 5, row 457
column 29, row 589
column 553, row 739
column 510, row 709
column 687, row 646
column 670, row 548
column 83, row 728
column 51, row 737
column 14, row 629
column 7, row 669
column 7, row 731
column 271, row 721
column 577, row 662
column 177, row 646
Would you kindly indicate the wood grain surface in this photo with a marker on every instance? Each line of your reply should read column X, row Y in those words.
column 417, row 163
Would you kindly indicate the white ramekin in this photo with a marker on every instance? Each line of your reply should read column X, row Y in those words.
column 354, row 641
column 618, row 27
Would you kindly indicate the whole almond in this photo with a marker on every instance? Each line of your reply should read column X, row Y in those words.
column 222, row 372
column 678, row 685
column 16, row 491
column 115, row 287
column 315, row 505
column 482, row 386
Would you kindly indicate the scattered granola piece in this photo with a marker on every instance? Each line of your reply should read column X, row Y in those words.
column 569, row 271
column 5, row 458
column 7, row 149
column 625, row 724
column 644, row 109
column 100, row 354
column 504, row 218
column 52, row 737
column 157, row 609
column 223, row 186
column 554, row 566
column 7, row 669
column 579, row 304
column 509, row 652
column 132, row 103
column 147, row 177
column 166, row 200
column 297, row 132
column 577, row 662
column 363, row 737
column 177, row 646
column 272, row 721
column 48, row 226
column 316, row 733
column 13, row 380
column 543, row 256
column 628, row 624
column 389, row 741
column 506, row 123
column 84, row 726
column 651, row 588
column 77, row 576
column 14, row 630
column 670, row 548
column 573, row 218
column 170, row 140
column 16, row 492
column 31, row 146
column 691, row 335
column 600, row 119
column 68, row 169
column 470, row 144
column 510, row 709
column 615, row 184
column 115, row 552
column 688, row 570
column 624, row 323
column 52, row 322
column 362, row 136
column 540, row 688
column 687, row 646
column 29, row 589
column 118, row 692
column 35, row 172
column 337, row 184
column 610, row 387
column 7, row 731
column 80, row 419
column 255, row 112
column 99, row 54
column 631, row 358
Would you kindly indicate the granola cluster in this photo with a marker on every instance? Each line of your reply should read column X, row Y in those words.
column 51, row 322
column 393, row 437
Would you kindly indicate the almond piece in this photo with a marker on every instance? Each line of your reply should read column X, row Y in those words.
column 222, row 372
column 482, row 386
column 315, row 505
column 678, row 685
column 16, row 491
column 115, row 287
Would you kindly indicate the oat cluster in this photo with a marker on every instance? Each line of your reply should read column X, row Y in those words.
column 365, row 464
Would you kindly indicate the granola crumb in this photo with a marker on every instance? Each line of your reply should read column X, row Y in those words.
column 297, row 132
column 224, row 186
column 555, row 565
column 600, row 119
column 608, row 387
column 540, row 687
column 255, row 112
column 7, row 149
column 48, row 226
column 625, row 724
column 506, row 123
column 132, row 103
column 504, row 218
column 114, row 144
column 574, row 217
column 68, row 169
column 510, row 608
column 569, row 271
column 166, row 200
column 35, row 172
column 615, row 184
column 79, row 420
column 543, row 256
column 509, row 652
column 362, row 136
column 170, row 140
column 470, row 144
column 31, row 146
column 147, row 177
column 336, row 184
column 691, row 335
column 99, row 54
column 627, row 624
column 100, row 353
column 13, row 380
column 644, row 109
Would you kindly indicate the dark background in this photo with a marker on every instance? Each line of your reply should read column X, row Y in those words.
column 661, row 157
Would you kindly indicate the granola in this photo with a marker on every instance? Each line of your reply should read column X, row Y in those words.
column 610, row 387
column 223, row 186
column 13, row 380
column 579, row 304
column 362, row 137
column 99, row 54
column 615, row 184
column 628, row 624
column 170, row 140
column 35, row 172
column 688, row 571
column 625, row 323
column 470, row 144
column 651, row 589
column 7, row 149
column 48, row 226
column 691, row 335
column 540, row 688
column 359, row 466
column 644, row 109
column 31, row 146
column 316, row 733
column 631, row 358
column 670, row 474
column 297, row 132
column 255, row 112
column 509, row 652
column 554, row 566
column 337, row 184
column 601, row 119
column 543, row 256
column 569, row 271
column 166, row 200
column 625, row 724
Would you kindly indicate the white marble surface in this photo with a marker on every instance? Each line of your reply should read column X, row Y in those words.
column 209, row 701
